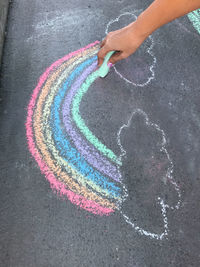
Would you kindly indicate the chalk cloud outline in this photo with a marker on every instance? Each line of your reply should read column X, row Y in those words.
column 168, row 176
column 149, row 51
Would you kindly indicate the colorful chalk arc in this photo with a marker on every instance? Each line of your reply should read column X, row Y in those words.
column 73, row 160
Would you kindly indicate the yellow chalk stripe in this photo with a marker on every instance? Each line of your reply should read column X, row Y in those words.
column 44, row 149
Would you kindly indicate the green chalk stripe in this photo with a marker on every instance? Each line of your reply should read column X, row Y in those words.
column 81, row 124
column 194, row 17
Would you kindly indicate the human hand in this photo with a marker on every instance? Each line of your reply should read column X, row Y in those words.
column 124, row 41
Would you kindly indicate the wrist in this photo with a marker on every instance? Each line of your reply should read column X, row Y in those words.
column 138, row 30
column 144, row 26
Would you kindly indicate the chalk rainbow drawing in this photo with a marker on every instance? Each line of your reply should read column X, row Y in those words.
column 70, row 168
column 194, row 17
column 74, row 161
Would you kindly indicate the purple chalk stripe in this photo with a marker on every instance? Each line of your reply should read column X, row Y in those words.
column 93, row 157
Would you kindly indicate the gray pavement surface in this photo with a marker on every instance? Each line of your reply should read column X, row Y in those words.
column 39, row 228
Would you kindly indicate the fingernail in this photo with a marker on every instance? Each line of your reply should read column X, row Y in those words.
column 110, row 64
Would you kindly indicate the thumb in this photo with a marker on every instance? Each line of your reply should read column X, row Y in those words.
column 117, row 56
column 102, row 53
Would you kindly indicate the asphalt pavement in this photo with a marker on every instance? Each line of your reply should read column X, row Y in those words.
column 98, row 172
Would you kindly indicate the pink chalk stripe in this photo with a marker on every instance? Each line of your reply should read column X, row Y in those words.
column 84, row 203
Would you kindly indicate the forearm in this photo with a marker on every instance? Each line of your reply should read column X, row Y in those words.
column 128, row 39
column 161, row 12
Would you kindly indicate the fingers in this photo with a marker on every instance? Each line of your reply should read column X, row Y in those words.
column 117, row 56
column 102, row 53
column 103, row 42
